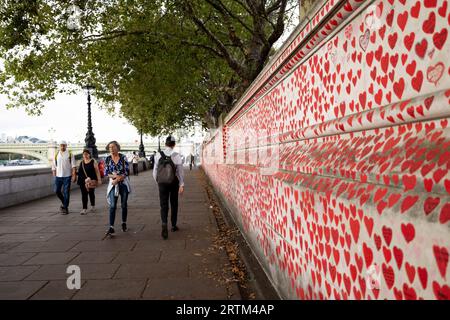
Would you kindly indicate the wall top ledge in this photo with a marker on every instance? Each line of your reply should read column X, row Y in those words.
column 24, row 172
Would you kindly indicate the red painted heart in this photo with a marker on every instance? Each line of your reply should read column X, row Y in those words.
column 421, row 48
column 439, row 38
column 430, row 23
column 430, row 204
column 408, row 232
column 423, row 276
column 408, row 41
column 387, row 234
column 368, row 255
column 409, row 292
column 402, row 19
column 441, row 256
column 389, row 276
column 415, row 10
column 445, row 213
column 410, row 272
column 398, row 255
column 441, row 292
column 408, row 202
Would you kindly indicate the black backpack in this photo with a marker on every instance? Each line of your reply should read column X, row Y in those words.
column 166, row 170
column 152, row 161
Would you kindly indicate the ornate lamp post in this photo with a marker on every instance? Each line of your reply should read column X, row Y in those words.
column 52, row 147
column 90, row 139
column 141, row 148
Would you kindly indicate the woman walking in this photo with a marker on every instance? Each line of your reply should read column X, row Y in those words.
column 117, row 169
column 88, row 180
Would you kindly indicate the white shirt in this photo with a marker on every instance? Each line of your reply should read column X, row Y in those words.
column 63, row 166
column 176, row 158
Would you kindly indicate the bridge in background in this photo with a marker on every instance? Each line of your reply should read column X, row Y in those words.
column 46, row 151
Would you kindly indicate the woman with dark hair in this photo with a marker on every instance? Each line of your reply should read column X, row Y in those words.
column 88, row 179
column 117, row 169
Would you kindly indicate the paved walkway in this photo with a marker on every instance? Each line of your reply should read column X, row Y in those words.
column 37, row 244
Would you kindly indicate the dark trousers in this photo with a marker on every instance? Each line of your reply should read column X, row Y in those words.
column 169, row 192
column 64, row 195
column 135, row 169
column 84, row 196
column 123, row 193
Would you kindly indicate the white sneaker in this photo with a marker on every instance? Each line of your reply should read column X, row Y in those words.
column 92, row 209
column 83, row 212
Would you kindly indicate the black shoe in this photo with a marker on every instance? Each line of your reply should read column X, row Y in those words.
column 65, row 211
column 124, row 227
column 164, row 232
column 175, row 228
column 110, row 231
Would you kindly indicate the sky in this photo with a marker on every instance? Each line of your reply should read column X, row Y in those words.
column 67, row 115
column 65, row 118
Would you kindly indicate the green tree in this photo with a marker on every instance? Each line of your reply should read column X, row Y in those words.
column 166, row 63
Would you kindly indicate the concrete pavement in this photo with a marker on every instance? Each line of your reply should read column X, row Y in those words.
column 37, row 244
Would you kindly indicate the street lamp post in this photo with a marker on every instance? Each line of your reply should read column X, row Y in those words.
column 141, row 148
column 90, row 139
column 159, row 144
column 51, row 145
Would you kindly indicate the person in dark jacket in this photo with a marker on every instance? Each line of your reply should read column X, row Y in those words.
column 88, row 179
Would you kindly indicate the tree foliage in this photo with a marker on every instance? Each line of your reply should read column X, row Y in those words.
column 167, row 63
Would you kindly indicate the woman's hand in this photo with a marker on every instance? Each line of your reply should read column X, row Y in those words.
column 118, row 179
column 181, row 190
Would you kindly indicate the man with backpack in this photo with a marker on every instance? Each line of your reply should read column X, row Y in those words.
column 168, row 173
column 64, row 171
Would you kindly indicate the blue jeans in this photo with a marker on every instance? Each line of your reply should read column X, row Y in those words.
column 123, row 192
column 64, row 196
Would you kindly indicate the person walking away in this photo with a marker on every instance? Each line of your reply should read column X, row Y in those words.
column 64, row 171
column 88, row 179
column 152, row 160
column 135, row 161
column 192, row 162
column 117, row 169
column 168, row 173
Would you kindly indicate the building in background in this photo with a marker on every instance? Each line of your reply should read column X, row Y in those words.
column 20, row 139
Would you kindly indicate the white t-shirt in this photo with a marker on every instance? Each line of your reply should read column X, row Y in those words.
column 176, row 158
column 63, row 166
